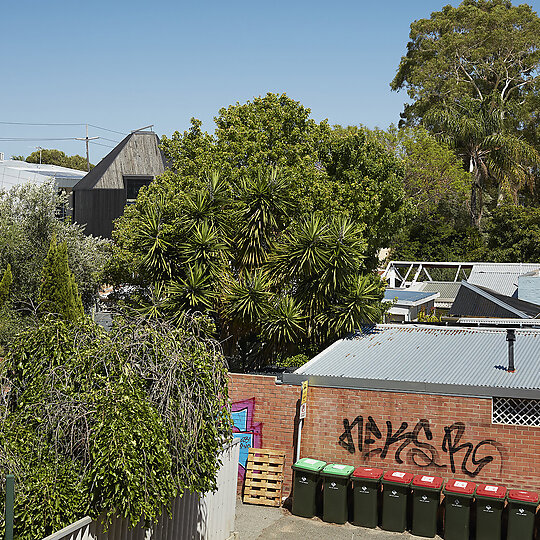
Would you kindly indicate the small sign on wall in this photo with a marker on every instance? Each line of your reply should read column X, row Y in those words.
column 303, row 400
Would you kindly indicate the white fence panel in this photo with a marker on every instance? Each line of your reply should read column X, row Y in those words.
column 192, row 517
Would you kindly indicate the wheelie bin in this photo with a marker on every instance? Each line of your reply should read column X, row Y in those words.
column 426, row 498
column 366, row 486
column 489, row 507
column 306, row 486
column 521, row 514
column 335, row 490
column 395, row 494
column 458, row 496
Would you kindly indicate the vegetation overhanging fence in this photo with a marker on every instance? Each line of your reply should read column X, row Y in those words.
column 193, row 517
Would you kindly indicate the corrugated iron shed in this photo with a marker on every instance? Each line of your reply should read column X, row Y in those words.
column 428, row 359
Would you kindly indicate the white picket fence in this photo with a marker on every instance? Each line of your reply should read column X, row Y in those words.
column 210, row 517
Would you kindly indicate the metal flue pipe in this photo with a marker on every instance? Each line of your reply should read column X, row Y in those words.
column 511, row 337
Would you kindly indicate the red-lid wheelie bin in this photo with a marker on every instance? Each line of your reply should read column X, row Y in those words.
column 521, row 513
column 489, row 508
column 366, row 484
column 458, row 496
column 426, row 498
column 395, row 495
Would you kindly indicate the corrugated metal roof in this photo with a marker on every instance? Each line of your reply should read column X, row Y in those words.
column 468, row 358
column 447, row 289
column 500, row 277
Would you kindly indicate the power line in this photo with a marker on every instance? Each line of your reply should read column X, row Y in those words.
column 38, row 139
column 60, row 124
column 35, row 124
column 105, row 129
column 99, row 144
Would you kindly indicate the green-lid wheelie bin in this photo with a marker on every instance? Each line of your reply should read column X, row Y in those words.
column 426, row 498
column 366, row 486
column 458, row 496
column 521, row 514
column 306, row 486
column 395, row 494
column 489, row 508
column 335, row 490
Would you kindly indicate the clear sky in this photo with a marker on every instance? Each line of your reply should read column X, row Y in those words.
column 123, row 65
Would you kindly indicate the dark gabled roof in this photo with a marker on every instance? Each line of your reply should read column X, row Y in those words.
column 93, row 177
column 138, row 154
column 475, row 301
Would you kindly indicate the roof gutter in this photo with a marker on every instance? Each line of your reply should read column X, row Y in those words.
column 327, row 381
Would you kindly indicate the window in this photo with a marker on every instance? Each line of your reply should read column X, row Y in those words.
column 133, row 184
column 517, row 411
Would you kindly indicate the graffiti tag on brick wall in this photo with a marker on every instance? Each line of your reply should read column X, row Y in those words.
column 417, row 446
column 249, row 433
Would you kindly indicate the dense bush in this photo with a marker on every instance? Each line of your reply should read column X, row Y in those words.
column 109, row 424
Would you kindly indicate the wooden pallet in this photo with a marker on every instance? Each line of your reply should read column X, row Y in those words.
column 264, row 477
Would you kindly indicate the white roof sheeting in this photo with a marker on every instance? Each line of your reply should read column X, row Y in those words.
column 500, row 277
column 14, row 173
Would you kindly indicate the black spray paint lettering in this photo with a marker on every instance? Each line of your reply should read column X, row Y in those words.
column 452, row 446
column 422, row 453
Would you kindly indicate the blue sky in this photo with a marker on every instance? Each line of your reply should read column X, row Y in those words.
column 123, row 65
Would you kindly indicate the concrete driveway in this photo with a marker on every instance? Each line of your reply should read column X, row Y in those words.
column 266, row 523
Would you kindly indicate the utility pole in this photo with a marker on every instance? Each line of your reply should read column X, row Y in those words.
column 87, row 152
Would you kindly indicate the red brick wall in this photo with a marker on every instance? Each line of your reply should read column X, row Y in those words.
column 514, row 450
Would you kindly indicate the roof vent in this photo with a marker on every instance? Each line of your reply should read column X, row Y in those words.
column 511, row 337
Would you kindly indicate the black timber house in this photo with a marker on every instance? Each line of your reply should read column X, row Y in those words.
column 101, row 196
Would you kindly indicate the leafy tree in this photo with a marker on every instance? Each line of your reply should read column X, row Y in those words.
column 512, row 234
column 480, row 49
column 27, row 225
column 225, row 232
column 56, row 157
column 433, row 176
column 58, row 293
column 472, row 73
column 110, row 423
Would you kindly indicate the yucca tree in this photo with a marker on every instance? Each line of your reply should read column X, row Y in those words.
column 204, row 247
column 150, row 235
column 264, row 206
column 195, row 292
column 283, row 329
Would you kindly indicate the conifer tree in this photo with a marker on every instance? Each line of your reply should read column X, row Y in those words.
column 5, row 285
column 58, row 293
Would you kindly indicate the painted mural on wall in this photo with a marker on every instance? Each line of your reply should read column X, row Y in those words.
column 249, row 433
column 416, row 445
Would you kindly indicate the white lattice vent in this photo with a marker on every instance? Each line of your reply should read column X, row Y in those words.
column 522, row 412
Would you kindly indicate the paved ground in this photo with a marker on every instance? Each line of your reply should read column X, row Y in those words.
column 266, row 523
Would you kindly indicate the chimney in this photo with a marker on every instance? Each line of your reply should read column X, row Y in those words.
column 511, row 337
